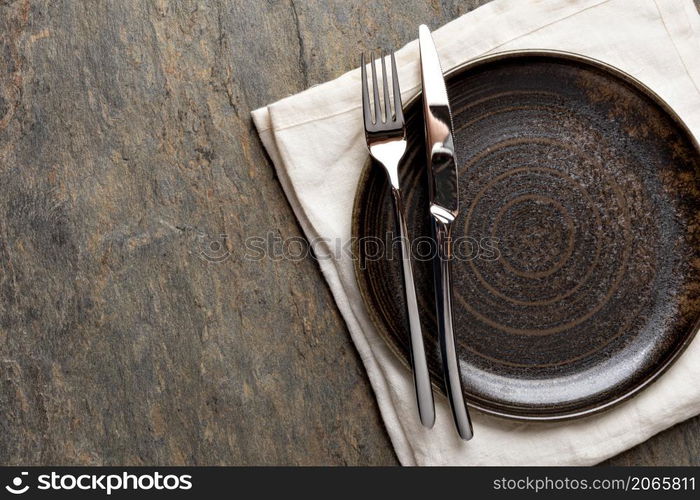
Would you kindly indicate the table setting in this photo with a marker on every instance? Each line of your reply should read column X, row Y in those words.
column 546, row 154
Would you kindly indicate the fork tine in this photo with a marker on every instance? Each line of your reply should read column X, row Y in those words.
column 398, row 106
column 366, row 106
column 388, row 115
column 375, row 88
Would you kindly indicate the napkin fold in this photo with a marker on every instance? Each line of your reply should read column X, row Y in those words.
column 656, row 41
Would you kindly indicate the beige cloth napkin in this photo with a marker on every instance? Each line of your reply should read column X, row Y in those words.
column 316, row 142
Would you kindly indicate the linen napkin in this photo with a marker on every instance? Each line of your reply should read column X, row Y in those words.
column 657, row 41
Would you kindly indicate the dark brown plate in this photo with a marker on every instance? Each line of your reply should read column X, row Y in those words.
column 576, row 283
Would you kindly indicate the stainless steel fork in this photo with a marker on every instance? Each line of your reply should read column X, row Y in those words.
column 386, row 139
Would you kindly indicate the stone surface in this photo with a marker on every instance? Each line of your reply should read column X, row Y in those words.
column 131, row 331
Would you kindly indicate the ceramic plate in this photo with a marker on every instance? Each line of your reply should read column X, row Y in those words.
column 576, row 275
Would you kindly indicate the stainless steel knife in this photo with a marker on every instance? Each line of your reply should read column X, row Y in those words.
column 444, row 207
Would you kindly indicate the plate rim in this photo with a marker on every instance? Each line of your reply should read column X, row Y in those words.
column 378, row 323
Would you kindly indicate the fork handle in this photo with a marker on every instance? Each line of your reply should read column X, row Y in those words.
column 421, row 375
column 443, row 300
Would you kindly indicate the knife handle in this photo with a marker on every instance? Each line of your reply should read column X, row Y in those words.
column 421, row 375
column 443, row 302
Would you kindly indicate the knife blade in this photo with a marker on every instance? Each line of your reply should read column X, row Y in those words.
column 444, row 208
